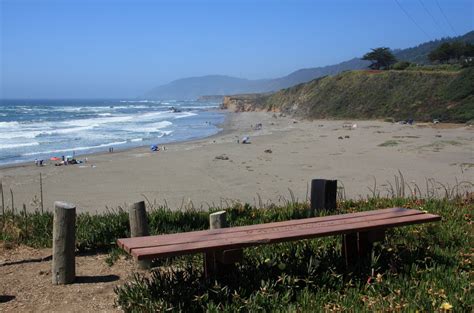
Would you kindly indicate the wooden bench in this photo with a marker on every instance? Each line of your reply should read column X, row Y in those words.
column 222, row 246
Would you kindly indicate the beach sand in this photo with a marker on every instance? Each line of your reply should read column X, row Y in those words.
column 188, row 174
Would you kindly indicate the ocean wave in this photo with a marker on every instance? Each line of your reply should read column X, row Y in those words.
column 8, row 124
column 97, row 121
column 200, row 107
column 184, row 114
column 117, row 143
column 148, row 128
column 18, row 145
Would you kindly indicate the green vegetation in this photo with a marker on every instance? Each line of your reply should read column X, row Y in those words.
column 456, row 51
column 389, row 143
column 381, row 58
column 419, row 54
column 412, row 93
column 401, row 65
column 417, row 267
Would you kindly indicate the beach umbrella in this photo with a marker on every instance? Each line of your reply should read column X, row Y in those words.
column 55, row 159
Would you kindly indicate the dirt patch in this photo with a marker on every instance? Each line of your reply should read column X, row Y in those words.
column 26, row 285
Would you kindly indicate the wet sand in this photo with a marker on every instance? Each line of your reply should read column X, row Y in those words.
column 188, row 174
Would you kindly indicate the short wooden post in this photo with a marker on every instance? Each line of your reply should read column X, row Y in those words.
column 64, row 243
column 218, row 220
column 323, row 195
column 217, row 262
column 139, row 226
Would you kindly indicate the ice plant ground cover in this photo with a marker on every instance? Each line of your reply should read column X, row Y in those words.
column 425, row 267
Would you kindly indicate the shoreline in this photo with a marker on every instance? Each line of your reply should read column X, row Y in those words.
column 92, row 154
column 284, row 155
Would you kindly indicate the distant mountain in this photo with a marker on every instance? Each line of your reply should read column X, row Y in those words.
column 195, row 87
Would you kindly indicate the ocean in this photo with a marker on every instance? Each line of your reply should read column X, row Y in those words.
column 42, row 129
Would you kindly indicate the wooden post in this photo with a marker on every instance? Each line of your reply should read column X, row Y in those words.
column 218, row 262
column 41, row 193
column 139, row 226
column 218, row 220
column 323, row 195
column 64, row 243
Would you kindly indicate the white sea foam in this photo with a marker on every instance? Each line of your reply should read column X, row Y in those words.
column 18, row 145
column 191, row 107
column 8, row 124
column 117, row 143
column 185, row 114
column 148, row 128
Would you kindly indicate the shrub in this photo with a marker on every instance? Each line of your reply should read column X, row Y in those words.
column 401, row 65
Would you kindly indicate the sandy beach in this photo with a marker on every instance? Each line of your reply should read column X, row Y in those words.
column 285, row 154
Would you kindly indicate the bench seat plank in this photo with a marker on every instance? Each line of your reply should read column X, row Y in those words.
column 246, row 236
column 149, row 241
column 174, row 239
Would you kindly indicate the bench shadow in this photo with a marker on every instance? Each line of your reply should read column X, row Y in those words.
column 6, row 298
column 96, row 279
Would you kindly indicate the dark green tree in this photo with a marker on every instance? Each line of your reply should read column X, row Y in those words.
column 455, row 51
column 381, row 58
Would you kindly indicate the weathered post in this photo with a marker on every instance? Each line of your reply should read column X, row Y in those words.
column 64, row 243
column 218, row 220
column 216, row 262
column 139, row 226
column 323, row 195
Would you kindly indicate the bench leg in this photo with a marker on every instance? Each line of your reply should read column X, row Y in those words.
column 364, row 245
column 349, row 248
column 358, row 246
column 209, row 264
column 221, row 262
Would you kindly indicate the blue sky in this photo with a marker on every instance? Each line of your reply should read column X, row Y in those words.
column 118, row 49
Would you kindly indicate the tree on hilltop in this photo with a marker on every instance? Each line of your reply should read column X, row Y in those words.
column 381, row 58
column 457, row 51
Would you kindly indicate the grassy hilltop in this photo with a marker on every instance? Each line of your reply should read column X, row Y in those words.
column 422, row 94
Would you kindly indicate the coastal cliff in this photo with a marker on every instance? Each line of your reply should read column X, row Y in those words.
column 418, row 94
column 245, row 103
